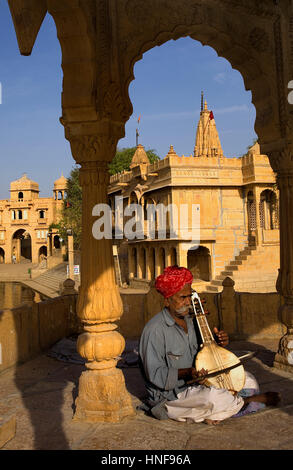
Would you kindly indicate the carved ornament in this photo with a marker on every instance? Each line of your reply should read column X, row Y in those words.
column 259, row 40
column 90, row 148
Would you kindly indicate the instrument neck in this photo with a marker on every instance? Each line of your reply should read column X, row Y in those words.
column 206, row 334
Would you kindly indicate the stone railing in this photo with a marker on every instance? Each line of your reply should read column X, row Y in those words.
column 30, row 329
column 35, row 326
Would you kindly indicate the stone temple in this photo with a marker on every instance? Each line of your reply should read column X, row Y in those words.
column 239, row 223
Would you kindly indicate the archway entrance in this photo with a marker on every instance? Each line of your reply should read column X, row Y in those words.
column 199, row 263
column 57, row 244
column 2, row 256
column 42, row 253
column 21, row 246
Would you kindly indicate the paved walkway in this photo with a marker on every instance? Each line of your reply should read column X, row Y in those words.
column 15, row 272
column 41, row 395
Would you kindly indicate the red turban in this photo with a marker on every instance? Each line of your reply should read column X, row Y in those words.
column 173, row 280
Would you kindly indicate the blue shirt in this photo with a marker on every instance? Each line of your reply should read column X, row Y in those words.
column 164, row 348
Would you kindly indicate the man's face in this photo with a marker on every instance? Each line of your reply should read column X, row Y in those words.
column 179, row 303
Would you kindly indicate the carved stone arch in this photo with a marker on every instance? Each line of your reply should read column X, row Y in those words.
column 248, row 49
column 75, row 24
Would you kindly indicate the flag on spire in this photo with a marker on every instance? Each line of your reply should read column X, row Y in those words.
column 211, row 115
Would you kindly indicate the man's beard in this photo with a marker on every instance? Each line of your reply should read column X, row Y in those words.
column 181, row 311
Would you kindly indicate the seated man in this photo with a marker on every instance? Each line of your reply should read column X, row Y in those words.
column 167, row 350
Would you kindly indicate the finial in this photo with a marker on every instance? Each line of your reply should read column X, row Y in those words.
column 172, row 151
column 205, row 105
column 201, row 106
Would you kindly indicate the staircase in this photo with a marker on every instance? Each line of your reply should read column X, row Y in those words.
column 250, row 270
column 50, row 282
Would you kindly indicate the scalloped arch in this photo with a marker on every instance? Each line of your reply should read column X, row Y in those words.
column 254, row 76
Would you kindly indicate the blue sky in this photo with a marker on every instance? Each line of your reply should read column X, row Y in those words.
column 166, row 93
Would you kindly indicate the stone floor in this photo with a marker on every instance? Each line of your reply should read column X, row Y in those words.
column 41, row 393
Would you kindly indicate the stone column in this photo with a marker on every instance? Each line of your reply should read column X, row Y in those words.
column 284, row 357
column 139, row 262
column 258, row 230
column 182, row 255
column 130, row 263
column 148, row 275
column 70, row 256
column 102, row 393
column 168, row 257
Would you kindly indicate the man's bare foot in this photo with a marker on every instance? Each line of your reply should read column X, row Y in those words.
column 211, row 421
column 268, row 398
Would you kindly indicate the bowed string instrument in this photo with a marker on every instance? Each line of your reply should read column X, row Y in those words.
column 225, row 369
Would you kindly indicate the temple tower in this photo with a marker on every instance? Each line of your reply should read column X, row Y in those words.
column 207, row 142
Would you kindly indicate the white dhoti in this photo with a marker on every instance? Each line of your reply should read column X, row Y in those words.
column 199, row 402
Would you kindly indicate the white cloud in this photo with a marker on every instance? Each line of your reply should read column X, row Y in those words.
column 232, row 109
column 220, row 77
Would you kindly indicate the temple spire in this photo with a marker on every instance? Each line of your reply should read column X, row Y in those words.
column 207, row 143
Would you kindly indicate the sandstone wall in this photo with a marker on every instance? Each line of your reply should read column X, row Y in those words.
column 27, row 330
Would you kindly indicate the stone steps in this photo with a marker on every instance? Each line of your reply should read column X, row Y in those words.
column 242, row 268
column 52, row 279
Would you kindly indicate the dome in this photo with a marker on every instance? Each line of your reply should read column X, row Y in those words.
column 60, row 183
column 24, row 183
column 139, row 157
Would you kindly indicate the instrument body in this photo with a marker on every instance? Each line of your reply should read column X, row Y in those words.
column 215, row 358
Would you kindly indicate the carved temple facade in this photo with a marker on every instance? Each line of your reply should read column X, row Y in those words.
column 238, row 203
column 101, row 40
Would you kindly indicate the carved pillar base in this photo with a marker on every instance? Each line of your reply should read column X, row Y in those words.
column 284, row 357
column 284, row 285
column 103, row 397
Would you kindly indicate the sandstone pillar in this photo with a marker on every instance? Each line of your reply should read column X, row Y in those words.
column 168, row 255
column 140, row 263
column 102, row 393
column 284, row 357
column 157, row 263
column 70, row 256
column 131, row 266
column 182, row 256
column 258, row 230
column 148, row 271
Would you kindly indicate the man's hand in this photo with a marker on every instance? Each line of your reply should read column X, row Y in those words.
column 221, row 337
column 199, row 373
column 192, row 374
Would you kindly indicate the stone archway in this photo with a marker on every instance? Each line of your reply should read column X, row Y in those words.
column 199, row 263
column 21, row 246
column 268, row 210
column 56, row 242
column 42, row 253
column 101, row 42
